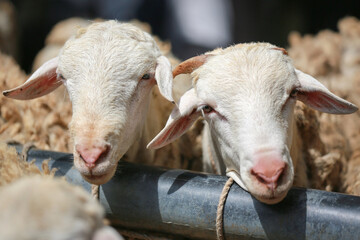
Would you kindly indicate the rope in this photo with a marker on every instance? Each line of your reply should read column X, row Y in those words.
column 220, row 210
column 95, row 191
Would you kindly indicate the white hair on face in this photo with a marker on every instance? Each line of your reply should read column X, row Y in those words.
column 247, row 95
column 121, row 90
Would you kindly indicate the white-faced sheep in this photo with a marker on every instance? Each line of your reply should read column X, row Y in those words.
column 247, row 94
column 34, row 205
column 109, row 70
column 44, row 121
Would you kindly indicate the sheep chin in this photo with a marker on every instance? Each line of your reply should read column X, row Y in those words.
column 259, row 193
column 100, row 174
column 99, row 179
column 270, row 200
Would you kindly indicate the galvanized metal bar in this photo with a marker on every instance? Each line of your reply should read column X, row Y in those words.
column 184, row 203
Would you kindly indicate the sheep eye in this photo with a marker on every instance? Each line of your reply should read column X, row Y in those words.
column 146, row 76
column 207, row 109
column 294, row 93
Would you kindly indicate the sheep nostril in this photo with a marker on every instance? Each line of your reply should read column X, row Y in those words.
column 269, row 174
column 92, row 154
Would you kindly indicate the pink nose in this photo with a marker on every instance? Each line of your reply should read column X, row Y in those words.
column 267, row 170
column 91, row 154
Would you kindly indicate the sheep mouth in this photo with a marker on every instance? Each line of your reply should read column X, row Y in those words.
column 101, row 174
column 102, row 159
column 272, row 199
column 269, row 196
column 261, row 193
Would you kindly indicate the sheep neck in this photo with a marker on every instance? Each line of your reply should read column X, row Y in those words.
column 156, row 116
column 212, row 160
column 296, row 153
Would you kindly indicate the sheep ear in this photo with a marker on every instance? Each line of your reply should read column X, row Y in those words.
column 41, row 82
column 164, row 77
column 180, row 120
column 317, row 96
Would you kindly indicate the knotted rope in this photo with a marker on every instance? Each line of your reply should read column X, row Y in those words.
column 220, row 209
column 95, row 191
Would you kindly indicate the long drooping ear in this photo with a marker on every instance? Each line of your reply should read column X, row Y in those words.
column 180, row 120
column 164, row 78
column 317, row 96
column 41, row 82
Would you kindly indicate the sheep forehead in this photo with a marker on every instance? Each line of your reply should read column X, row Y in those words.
column 252, row 70
column 114, row 29
column 108, row 48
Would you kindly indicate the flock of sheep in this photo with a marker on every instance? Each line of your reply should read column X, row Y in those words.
column 248, row 111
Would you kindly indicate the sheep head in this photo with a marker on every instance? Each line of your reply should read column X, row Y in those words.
column 246, row 94
column 109, row 70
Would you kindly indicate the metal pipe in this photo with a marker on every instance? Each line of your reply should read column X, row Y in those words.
column 183, row 203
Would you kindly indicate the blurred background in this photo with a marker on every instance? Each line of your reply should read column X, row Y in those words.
column 192, row 26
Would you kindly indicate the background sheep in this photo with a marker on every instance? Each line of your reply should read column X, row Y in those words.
column 8, row 28
column 110, row 99
column 334, row 59
column 250, row 129
column 35, row 205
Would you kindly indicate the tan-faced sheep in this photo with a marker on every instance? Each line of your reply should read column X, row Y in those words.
column 334, row 58
column 109, row 70
column 248, row 105
column 34, row 205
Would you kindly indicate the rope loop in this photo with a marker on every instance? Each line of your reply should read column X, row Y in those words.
column 220, row 209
